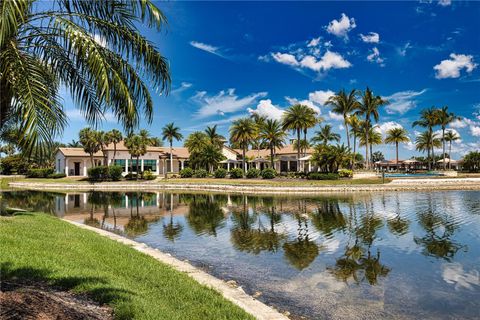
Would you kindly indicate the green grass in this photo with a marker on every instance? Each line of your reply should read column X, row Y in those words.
column 40, row 247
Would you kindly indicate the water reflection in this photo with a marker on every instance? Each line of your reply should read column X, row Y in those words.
column 350, row 244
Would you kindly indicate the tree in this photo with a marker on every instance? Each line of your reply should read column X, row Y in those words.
column 368, row 107
column 444, row 118
column 374, row 138
column 137, row 146
column 396, row 136
column 355, row 132
column 377, row 156
column 344, row 104
column 215, row 138
column 103, row 140
column 92, row 48
column 259, row 122
column 115, row 136
column 272, row 133
column 329, row 158
column 426, row 141
column 450, row 136
column 243, row 131
column 325, row 135
column 295, row 119
column 311, row 121
column 471, row 161
column 428, row 119
column 170, row 132
column 90, row 141
column 74, row 144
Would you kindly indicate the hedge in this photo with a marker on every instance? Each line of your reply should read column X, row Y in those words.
column 322, row 176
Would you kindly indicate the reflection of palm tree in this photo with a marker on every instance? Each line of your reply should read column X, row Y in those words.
column 328, row 217
column 171, row 231
column 398, row 225
column 301, row 252
column 136, row 225
column 205, row 215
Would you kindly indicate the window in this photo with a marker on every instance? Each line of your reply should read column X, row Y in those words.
column 133, row 165
column 150, row 165
column 121, row 163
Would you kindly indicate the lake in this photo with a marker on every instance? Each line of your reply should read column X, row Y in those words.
column 393, row 255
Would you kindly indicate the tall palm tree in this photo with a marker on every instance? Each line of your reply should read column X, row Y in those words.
column 137, row 146
column 214, row 137
column 115, row 136
column 450, row 136
column 272, row 133
column 311, row 120
column 170, row 132
column 444, row 118
column 242, row 132
column 426, row 141
column 104, row 140
column 295, row 119
column 259, row 121
column 374, row 138
column 428, row 119
column 344, row 104
column 368, row 107
column 325, row 135
column 90, row 141
column 355, row 126
column 93, row 48
column 396, row 136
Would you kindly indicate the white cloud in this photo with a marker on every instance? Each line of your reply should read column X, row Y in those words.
column 375, row 56
column 223, row 102
column 340, row 28
column 314, row 42
column 307, row 103
column 335, row 116
column 444, row 3
column 403, row 101
column 371, row 37
column 285, row 58
column 330, row 60
column 206, row 47
column 320, row 96
column 384, row 127
column 267, row 109
column 458, row 124
column 183, row 86
column 475, row 131
column 451, row 68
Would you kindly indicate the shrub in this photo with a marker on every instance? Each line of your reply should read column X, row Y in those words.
column 345, row 173
column 236, row 173
column 130, row 176
column 268, row 173
column 220, row 173
column 98, row 173
column 322, row 176
column 115, row 173
column 186, row 173
column 14, row 165
column 39, row 173
column 253, row 173
column 56, row 175
column 200, row 173
column 148, row 175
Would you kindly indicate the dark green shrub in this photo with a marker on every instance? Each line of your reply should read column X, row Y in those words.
column 186, row 173
column 130, row 176
column 148, row 175
column 236, row 173
column 220, row 173
column 56, row 175
column 39, row 173
column 98, row 173
column 115, row 173
column 253, row 173
column 345, row 173
column 200, row 173
column 322, row 176
column 268, row 173
column 14, row 165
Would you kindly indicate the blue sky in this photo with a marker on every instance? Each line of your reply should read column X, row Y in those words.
column 229, row 59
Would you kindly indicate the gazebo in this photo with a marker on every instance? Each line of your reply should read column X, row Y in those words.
column 450, row 162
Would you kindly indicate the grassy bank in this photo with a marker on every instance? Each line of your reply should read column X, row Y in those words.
column 41, row 247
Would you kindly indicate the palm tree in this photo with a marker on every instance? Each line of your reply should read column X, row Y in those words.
column 355, row 125
column 450, row 136
column 396, row 136
column 196, row 141
column 115, row 136
column 325, row 135
column 213, row 136
column 243, row 131
column 311, row 121
column 137, row 146
column 90, row 141
column 344, row 104
column 272, row 133
column 428, row 119
column 103, row 140
column 374, row 138
column 259, row 122
column 92, row 48
column 74, row 144
column 294, row 118
column 426, row 141
column 170, row 132
column 368, row 107
column 444, row 118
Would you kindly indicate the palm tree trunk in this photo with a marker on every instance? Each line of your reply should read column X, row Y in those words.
column 298, row 149
column 450, row 156
column 443, row 145
column 433, row 157
column 354, row 151
column 171, row 157
column 367, row 159
column 114, row 152
column 348, row 139
column 243, row 159
column 91, row 160
column 305, row 139
column 396, row 162
column 428, row 159
column 271, row 156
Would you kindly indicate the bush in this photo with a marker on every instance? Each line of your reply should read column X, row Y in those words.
column 236, row 173
column 115, row 173
column 200, row 173
column 56, row 175
column 253, row 173
column 322, row 176
column 268, row 173
column 220, row 173
column 14, row 165
column 39, row 173
column 345, row 173
column 186, row 173
column 98, row 173
column 130, row 176
column 148, row 175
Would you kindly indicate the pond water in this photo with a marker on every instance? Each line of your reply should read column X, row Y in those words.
column 404, row 255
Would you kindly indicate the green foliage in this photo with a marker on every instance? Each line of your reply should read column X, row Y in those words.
column 253, row 173
column 471, row 161
column 268, row 173
column 377, row 156
column 39, row 173
column 148, row 175
column 98, row 173
column 220, row 173
column 130, row 176
column 200, row 173
column 322, row 176
column 345, row 173
column 330, row 158
column 186, row 173
column 115, row 173
column 15, row 164
column 56, row 175
column 236, row 173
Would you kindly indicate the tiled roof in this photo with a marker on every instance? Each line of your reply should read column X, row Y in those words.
column 77, row 152
column 288, row 149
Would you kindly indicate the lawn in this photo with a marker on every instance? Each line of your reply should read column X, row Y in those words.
column 36, row 246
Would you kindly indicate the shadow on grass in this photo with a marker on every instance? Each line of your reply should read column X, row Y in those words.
column 95, row 288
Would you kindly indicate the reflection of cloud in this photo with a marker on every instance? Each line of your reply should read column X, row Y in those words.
column 323, row 280
column 453, row 273
column 331, row 245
